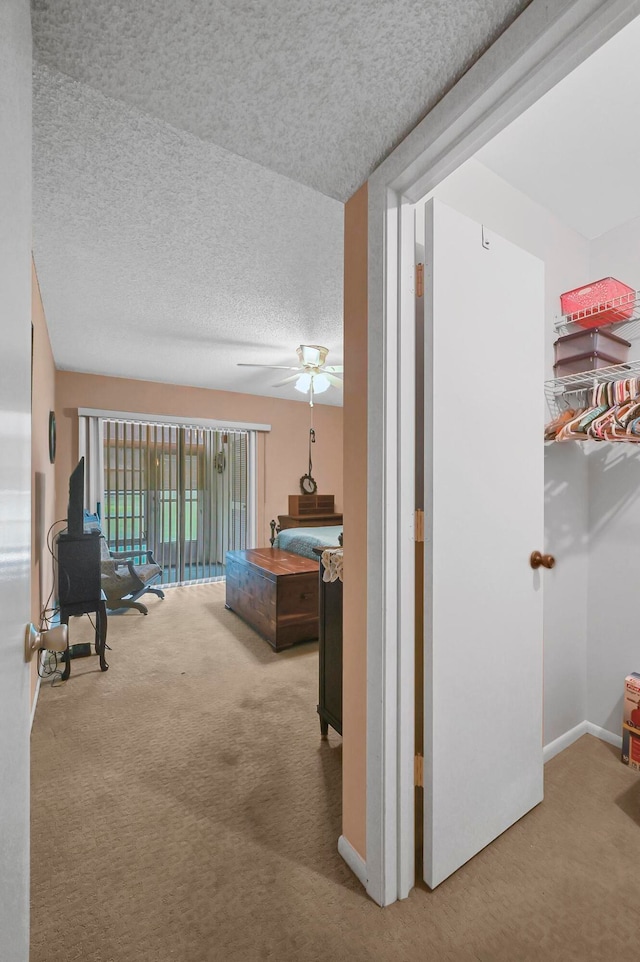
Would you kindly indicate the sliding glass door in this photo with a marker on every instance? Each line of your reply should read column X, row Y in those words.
column 181, row 492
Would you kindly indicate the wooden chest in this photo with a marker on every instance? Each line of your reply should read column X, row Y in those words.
column 276, row 592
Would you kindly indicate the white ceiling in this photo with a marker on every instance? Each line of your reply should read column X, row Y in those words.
column 173, row 235
column 576, row 150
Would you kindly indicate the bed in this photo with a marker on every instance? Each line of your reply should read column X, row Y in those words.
column 302, row 541
column 312, row 522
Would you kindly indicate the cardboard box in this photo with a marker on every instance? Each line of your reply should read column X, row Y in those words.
column 631, row 747
column 631, row 701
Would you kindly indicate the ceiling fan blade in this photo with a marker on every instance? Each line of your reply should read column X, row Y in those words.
column 336, row 381
column 277, row 367
column 287, row 380
column 334, row 369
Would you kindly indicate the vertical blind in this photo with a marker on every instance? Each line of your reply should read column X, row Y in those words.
column 179, row 491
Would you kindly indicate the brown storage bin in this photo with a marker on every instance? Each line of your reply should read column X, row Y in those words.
column 583, row 362
column 592, row 341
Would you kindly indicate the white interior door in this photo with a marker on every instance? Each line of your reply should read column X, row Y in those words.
column 484, row 489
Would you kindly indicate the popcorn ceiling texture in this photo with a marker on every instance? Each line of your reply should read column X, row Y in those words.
column 164, row 257
column 319, row 91
column 167, row 242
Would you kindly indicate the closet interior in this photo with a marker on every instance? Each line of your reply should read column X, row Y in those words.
column 558, row 186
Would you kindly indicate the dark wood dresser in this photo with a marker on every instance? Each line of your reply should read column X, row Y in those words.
column 310, row 511
column 276, row 592
column 330, row 695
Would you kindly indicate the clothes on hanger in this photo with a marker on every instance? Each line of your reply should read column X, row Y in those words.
column 612, row 415
column 553, row 427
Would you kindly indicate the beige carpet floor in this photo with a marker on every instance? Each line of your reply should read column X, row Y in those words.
column 184, row 808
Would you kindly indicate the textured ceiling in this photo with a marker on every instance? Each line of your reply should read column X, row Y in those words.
column 319, row 91
column 163, row 257
column 576, row 150
column 173, row 235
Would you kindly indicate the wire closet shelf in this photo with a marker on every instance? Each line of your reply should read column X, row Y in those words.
column 563, row 389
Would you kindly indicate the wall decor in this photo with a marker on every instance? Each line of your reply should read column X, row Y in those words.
column 52, row 436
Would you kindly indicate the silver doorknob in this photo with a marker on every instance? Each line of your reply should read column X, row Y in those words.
column 538, row 560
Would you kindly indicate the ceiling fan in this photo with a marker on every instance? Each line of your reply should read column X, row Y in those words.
column 312, row 375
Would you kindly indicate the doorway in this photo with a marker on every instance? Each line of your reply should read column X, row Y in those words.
column 454, row 132
column 590, row 503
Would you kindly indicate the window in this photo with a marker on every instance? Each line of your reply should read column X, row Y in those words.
column 179, row 491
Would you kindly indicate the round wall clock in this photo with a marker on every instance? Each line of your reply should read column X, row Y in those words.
column 308, row 484
column 52, row 436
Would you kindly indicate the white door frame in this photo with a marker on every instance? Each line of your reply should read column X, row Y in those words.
column 540, row 48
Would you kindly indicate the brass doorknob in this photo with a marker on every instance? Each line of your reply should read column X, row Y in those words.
column 538, row 560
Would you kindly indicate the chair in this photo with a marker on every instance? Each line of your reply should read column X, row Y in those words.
column 123, row 582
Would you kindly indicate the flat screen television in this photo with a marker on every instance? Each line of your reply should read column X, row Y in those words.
column 75, row 508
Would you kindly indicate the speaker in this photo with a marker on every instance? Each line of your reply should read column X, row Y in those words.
column 78, row 568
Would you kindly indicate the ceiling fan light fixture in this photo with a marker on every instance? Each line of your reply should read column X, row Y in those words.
column 303, row 383
column 320, row 383
column 313, row 355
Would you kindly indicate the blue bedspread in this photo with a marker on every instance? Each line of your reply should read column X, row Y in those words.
column 302, row 541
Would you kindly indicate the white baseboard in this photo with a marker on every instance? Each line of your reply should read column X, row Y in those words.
column 604, row 735
column 36, row 693
column 568, row 738
column 355, row 861
column 584, row 728
column 358, row 865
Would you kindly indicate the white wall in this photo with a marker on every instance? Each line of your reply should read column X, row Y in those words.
column 613, row 643
column 15, row 470
column 617, row 253
column 476, row 191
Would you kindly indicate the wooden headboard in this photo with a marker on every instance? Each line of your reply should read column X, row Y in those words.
column 307, row 510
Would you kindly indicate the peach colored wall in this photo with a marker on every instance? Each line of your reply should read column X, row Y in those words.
column 282, row 453
column 354, row 710
column 42, row 471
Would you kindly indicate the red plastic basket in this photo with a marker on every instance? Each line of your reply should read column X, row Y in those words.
column 606, row 301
